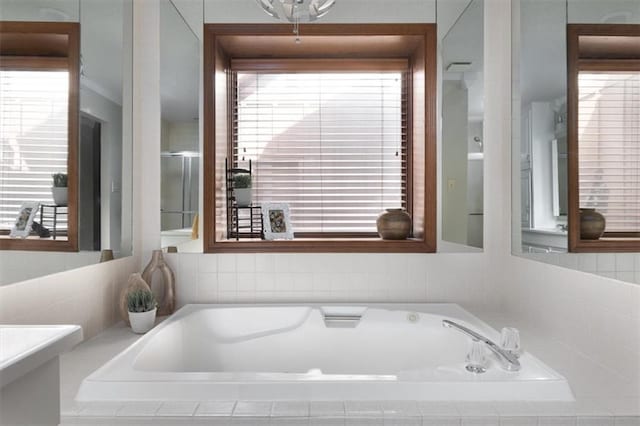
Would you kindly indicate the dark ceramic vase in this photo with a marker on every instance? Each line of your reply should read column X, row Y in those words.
column 592, row 224
column 394, row 224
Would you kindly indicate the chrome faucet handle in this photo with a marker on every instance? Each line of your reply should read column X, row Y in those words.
column 508, row 361
column 510, row 341
column 476, row 358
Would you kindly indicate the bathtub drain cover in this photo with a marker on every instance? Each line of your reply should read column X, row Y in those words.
column 413, row 317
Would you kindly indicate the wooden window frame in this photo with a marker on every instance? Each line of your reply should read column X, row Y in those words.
column 32, row 54
column 219, row 40
column 610, row 241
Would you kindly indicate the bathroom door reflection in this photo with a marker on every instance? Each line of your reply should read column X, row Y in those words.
column 180, row 133
column 462, row 126
column 180, row 172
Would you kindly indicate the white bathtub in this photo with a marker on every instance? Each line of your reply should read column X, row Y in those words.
column 286, row 352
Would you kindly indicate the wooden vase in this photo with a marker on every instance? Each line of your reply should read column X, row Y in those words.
column 135, row 282
column 166, row 294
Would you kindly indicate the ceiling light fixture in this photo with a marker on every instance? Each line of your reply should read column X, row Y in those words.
column 296, row 11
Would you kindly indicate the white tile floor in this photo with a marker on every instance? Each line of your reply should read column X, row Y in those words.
column 603, row 397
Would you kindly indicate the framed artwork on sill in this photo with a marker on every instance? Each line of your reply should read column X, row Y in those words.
column 276, row 221
column 22, row 226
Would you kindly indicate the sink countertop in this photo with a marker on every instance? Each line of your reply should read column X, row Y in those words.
column 26, row 347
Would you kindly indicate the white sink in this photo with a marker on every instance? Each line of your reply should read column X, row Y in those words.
column 26, row 347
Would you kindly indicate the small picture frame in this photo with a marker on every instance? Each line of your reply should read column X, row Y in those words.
column 276, row 221
column 24, row 220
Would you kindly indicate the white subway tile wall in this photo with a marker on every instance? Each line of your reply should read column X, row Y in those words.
column 621, row 266
column 597, row 316
column 248, row 278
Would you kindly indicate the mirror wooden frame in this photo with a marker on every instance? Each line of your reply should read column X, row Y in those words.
column 39, row 46
column 575, row 64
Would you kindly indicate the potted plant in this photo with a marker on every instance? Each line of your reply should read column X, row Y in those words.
column 59, row 189
column 242, row 189
column 142, row 308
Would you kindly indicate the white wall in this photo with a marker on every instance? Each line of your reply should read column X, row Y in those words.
column 146, row 127
column 19, row 265
column 40, row 10
column 179, row 136
column 345, row 11
column 603, row 12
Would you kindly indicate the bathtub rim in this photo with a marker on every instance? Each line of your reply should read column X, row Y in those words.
column 446, row 310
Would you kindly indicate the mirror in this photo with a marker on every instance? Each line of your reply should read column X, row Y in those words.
column 462, row 124
column 180, row 140
column 540, row 137
column 97, row 214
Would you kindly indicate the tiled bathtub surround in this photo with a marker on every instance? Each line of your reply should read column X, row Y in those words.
column 621, row 266
column 85, row 296
column 602, row 398
column 597, row 316
column 246, row 278
column 405, row 413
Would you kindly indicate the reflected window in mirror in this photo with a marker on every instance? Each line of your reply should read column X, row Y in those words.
column 39, row 132
column 604, row 137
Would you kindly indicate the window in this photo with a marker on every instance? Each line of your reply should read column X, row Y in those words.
column 33, row 138
column 604, row 135
column 609, row 155
column 39, row 126
column 339, row 130
column 333, row 145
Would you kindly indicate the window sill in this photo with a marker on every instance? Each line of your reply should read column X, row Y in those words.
column 607, row 245
column 34, row 243
column 323, row 245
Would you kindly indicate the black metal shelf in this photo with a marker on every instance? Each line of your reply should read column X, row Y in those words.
column 242, row 221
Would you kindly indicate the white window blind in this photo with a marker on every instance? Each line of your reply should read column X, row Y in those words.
column 609, row 147
column 33, row 138
column 332, row 145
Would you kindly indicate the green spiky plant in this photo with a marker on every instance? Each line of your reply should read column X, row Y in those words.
column 242, row 180
column 60, row 180
column 141, row 301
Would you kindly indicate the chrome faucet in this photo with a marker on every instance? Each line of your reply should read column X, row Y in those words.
column 508, row 361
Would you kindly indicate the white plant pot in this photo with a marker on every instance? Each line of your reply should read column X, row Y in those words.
column 60, row 195
column 141, row 322
column 243, row 196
